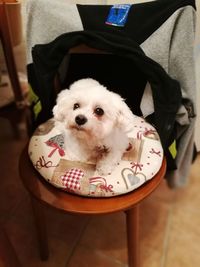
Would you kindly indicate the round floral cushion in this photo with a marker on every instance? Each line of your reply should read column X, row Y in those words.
column 139, row 163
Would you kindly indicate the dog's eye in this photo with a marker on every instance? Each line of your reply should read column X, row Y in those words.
column 99, row 111
column 76, row 105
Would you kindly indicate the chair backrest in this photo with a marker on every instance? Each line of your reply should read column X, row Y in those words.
column 79, row 49
column 83, row 61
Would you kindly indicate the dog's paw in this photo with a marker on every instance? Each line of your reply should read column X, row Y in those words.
column 104, row 170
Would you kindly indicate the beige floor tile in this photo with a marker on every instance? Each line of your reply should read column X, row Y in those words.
column 163, row 193
column 63, row 233
column 184, row 238
column 86, row 257
column 23, row 237
column 153, row 224
column 59, row 253
column 23, row 240
column 23, row 212
column 150, row 257
column 107, row 235
column 65, row 227
column 11, row 190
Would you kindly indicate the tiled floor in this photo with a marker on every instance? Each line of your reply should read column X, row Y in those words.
column 170, row 232
column 170, row 220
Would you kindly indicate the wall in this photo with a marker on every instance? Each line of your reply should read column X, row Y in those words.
column 197, row 58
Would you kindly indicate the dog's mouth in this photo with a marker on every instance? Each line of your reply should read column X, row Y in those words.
column 81, row 132
column 77, row 127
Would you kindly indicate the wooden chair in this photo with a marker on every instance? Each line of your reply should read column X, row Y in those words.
column 42, row 194
column 15, row 111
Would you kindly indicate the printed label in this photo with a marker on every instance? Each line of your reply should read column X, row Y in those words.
column 118, row 15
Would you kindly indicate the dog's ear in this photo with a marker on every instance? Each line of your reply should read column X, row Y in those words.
column 125, row 117
column 58, row 113
column 60, row 108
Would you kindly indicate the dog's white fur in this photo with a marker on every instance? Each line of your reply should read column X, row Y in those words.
column 103, row 138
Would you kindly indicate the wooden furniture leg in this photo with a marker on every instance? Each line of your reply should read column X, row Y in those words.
column 9, row 55
column 40, row 222
column 132, row 222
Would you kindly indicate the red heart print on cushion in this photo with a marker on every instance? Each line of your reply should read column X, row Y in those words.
column 71, row 179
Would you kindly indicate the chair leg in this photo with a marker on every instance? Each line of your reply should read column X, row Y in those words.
column 132, row 222
column 9, row 55
column 40, row 222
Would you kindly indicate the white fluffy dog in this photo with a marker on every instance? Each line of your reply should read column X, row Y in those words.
column 95, row 123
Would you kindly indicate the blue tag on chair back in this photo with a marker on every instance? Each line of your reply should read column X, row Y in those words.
column 118, row 15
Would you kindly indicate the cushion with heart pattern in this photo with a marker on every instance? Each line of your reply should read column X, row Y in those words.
column 139, row 163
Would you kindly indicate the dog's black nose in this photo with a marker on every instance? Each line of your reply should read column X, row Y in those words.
column 80, row 119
